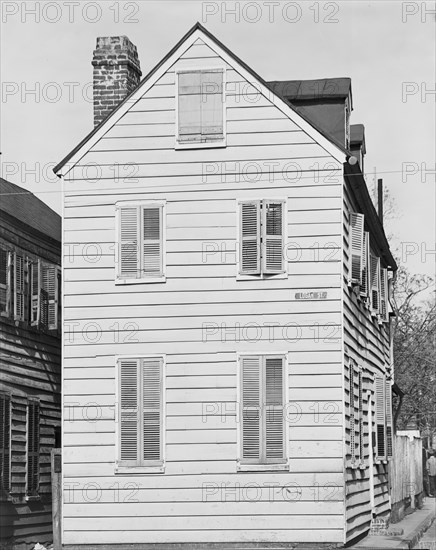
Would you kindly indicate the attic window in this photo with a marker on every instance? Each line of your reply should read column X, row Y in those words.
column 200, row 107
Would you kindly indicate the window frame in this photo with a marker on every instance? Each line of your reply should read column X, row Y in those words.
column 141, row 203
column 120, row 469
column 196, row 145
column 238, row 243
column 242, row 466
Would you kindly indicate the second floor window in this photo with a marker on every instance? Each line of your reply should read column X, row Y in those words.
column 140, row 242
column 200, row 107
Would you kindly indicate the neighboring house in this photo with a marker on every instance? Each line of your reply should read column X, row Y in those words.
column 227, row 364
column 30, row 364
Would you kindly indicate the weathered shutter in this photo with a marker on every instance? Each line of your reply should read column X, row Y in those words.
column 274, row 410
column 364, row 290
column 375, row 283
column 152, row 419
column 129, row 452
column 4, row 281
column 35, row 292
column 251, row 376
column 384, row 314
column 352, row 414
column 189, row 110
column 128, row 253
column 249, row 242
column 361, row 420
column 50, row 286
column 32, row 478
column 5, row 443
column 211, row 105
column 152, row 244
column 388, row 394
column 272, row 237
column 380, row 417
column 356, row 247
column 19, row 296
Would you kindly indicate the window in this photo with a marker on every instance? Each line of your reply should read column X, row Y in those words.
column 141, row 413
column 32, row 454
column 141, row 241
column 5, row 282
column 262, row 423
column 261, row 237
column 200, row 107
column 356, row 248
column 5, row 443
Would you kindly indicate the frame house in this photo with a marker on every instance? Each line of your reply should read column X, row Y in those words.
column 30, row 364
column 227, row 349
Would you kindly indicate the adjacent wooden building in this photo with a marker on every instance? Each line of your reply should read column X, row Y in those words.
column 227, row 354
column 30, row 364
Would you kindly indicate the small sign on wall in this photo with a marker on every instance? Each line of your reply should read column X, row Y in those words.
column 312, row 295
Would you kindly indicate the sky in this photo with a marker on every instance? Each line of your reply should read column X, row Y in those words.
column 386, row 48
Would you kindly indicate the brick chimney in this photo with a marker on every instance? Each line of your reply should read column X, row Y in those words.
column 116, row 73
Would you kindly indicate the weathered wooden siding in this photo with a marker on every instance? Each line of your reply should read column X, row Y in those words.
column 168, row 318
column 368, row 343
column 30, row 366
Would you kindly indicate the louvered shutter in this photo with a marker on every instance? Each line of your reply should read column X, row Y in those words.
column 251, row 377
column 364, row 292
column 375, row 283
column 129, row 399
column 152, row 241
column 5, row 443
column 4, row 281
column 388, row 393
column 384, row 314
column 18, row 287
column 50, row 286
column 249, row 241
column 361, row 420
column 35, row 290
column 272, row 237
column 352, row 414
column 128, row 254
column 274, row 404
column 356, row 247
column 152, row 414
column 32, row 478
column 380, row 417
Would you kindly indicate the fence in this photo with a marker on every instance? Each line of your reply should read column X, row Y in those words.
column 405, row 473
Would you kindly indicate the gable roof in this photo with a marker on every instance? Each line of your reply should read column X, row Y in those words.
column 27, row 209
column 119, row 110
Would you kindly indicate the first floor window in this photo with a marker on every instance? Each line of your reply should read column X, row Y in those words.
column 5, row 443
column 140, row 241
column 262, row 400
column 141, row 419
column 32, row 454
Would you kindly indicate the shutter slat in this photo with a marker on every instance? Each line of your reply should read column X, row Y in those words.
column 250, row 238
column 129, row 242
column 152, row 410
column 272, row 237
column 274, row 400
column 251, row 403
column 356, row 247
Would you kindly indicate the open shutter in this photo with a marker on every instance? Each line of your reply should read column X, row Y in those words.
column 361, row 420
column 388, row 393
column 384, row 313
column 249, row 241
column 352, row 414
column 128, row 253
column 364, row 287
column 4, row 281
column 19, row 295
column 152, row 241
column 5, row 443
column 375, row 283
column 272, row 237
column 356, row 248
column 152, row 402
column 380, row 417
column 35, row 292
column 50, row 286
column 32, row 479
column 129, row 414
column 274, row 403
column 251, row 414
